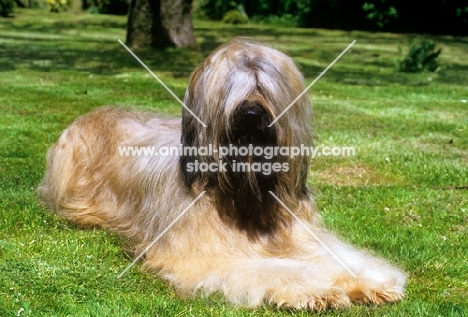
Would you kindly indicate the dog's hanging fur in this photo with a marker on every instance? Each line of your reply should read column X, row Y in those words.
column 237, row 239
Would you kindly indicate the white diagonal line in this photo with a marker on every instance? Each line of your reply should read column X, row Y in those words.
column 311, row 84
column 161, row 82
column 314, row 235
column 161, row 234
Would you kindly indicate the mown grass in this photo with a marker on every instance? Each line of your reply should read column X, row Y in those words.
column 404, row 195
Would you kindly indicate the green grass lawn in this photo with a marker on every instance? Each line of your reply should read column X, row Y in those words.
column 404, row 195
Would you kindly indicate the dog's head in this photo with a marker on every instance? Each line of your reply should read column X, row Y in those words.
column 238, row 92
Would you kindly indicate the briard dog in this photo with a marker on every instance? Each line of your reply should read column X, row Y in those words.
column 254, row 235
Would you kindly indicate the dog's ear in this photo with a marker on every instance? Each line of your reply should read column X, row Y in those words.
column 188, row 137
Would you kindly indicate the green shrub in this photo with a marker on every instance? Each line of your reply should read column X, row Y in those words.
column 286, row 20
column 58, row 5
column 93, row 10
column 215, row 9
column 235, row 17
column 422, row 55
column 379, row 12
column 6, row 7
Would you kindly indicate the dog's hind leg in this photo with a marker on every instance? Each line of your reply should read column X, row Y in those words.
column 81, row 166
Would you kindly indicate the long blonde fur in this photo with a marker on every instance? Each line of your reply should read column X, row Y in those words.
column 216, row 247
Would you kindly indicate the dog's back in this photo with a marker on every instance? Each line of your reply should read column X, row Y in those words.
column 86, row 167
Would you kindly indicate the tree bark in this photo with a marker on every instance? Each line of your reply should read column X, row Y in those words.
column 160, row 23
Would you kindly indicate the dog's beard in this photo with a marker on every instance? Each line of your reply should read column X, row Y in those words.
column 244, row 196
column 241, row 195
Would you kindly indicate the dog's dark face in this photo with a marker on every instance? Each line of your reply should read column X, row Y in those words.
column 241, row 194
column 238, row 92
column 250, row 124
column 247, row 195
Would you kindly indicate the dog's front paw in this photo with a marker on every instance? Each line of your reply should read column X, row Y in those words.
column 371, row 292
column 303, row 298
column 375, row 295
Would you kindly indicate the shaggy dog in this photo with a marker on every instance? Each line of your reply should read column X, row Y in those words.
column 253, row 232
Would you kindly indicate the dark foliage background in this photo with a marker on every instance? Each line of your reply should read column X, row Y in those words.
column 434, row 17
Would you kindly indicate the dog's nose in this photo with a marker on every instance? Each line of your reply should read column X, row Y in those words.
column 253, row 114
column 250, row 123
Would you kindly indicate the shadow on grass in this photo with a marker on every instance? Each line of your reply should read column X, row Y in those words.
column 98, row 57
column 55, row 43
column 54, row 46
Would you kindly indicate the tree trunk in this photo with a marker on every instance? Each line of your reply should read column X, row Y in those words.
column 160, row 23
